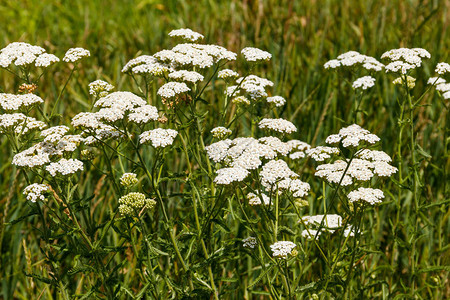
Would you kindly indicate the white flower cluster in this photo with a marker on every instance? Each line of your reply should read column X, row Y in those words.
column 100, row 88
column 226, row 176
column 254, row 199
column 320, row 153
column 240, row 100
column 368, row 195
column 186, row 34
column 75, row 54
column 11, row 102
column 194, row 56
column 324, row 223
column 255, row 55
column 441, row 86
column 186, row 76
column 277, row 100
column 282, row 249
column 359, row 169
column 247, row 154
column 23, row 54
column 364, row 82
column 220, row 132
column 128, row 180
column 352, row 58
column 298, row 149
column 227, row 74
column 442, row 68
column 146, row 65
column 115, row 107
column 278, row 125
column 404, row 59
column 133, row 204
column 331, row 221
column 351, row 136
column 249, row 242
column 35, row 192
column 159, row 137
column 18, row 123
column 252, row 85
column 172, row 89
column 55, row 144
column 65, row 167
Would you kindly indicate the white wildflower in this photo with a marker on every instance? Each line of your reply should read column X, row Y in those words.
column 172, row 89
column 128, row 180
column 321, row 153
column 123, row 101
column 220, row 132
column 331, row 221
column 254, row 199
column 186, row 34
column 100, row 88
column 226, row 176
column 65, row 167
column 435, row 80
column 442, row 68
column 351, row 136
column 279, row 125
column 282, row 249
column 143, row 114
column 369, row 195
column 240, row 100
column 277, row 100
column 187, row 76
column 364, row 82
column 35, row 192
column 227, row 74
column 255, row 55
column 159, row 137
column 45, row 60
column 75, row 54
column 249, row 242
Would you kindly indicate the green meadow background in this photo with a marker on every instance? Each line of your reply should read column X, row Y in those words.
column 302, row 36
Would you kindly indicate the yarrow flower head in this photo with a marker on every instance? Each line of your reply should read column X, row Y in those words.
column 403, row 59
column 282, row 249
column 35, row 192
column 172, row 89
column 128, row 180
column 133, row 204
column 186, row 34
column 227, row 74
column 45, row 60
column 100, row 88
column 254, row 199
column 364, row 82
column 351, row 136
column 220, row 132
column 159, row 137
column 367, row 195
column 75, row 54
column 23, row 54
column 11, row 102
column 186, row 76
column 352, row 58
column 279, row 125
column 226, row 176
column 249, row 242
column 65, row 167
column 255, row 55
column 442, row 68
column 277, row 100
column 320, row 153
